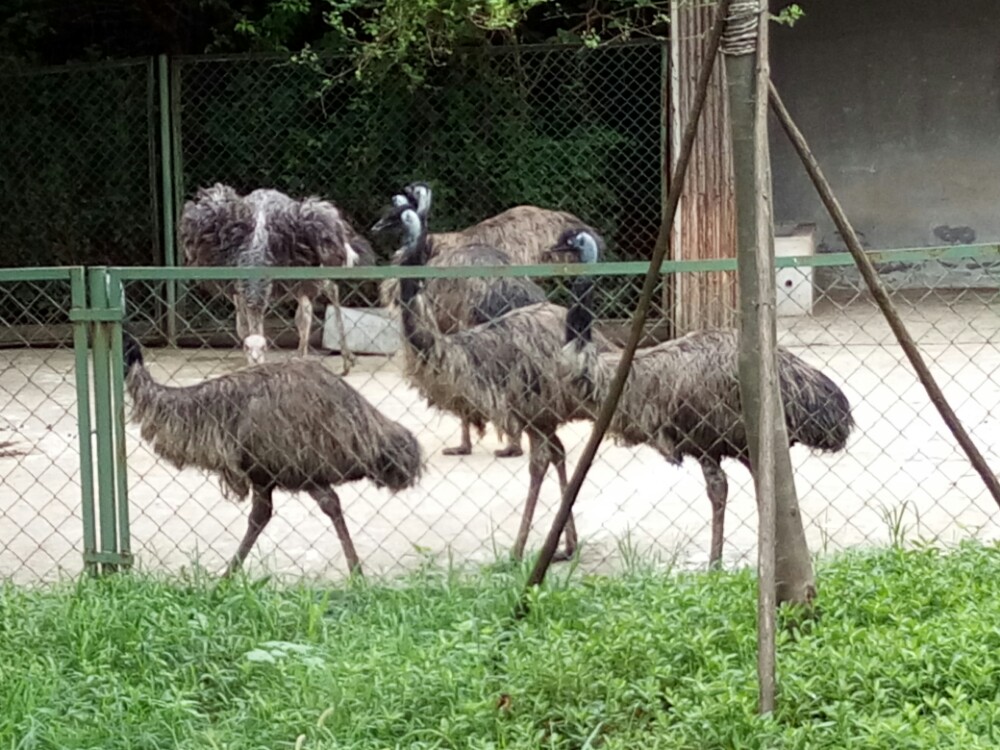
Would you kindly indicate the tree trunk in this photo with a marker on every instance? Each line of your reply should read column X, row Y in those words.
column 751, row 159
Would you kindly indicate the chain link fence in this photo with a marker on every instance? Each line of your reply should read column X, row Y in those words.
column 900, row 479
column 78, row 166
column 42, row 494
column 575, row 129
column 560, row 127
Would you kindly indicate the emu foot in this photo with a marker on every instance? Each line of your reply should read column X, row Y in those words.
column 458, row 450
column 511, row 451
column 349, row 361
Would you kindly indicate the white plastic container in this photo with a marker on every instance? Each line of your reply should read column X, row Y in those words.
column 368, row 331
column 794, row 286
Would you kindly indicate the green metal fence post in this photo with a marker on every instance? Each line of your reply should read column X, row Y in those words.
column 116, row 300
column 102, row 316
column 167, row 172
column 78, row 302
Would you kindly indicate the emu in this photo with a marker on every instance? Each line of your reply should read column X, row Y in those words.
column 507, row 368
column 682, row 397
column 291, row 426
column 464, row 303
column 268, row 228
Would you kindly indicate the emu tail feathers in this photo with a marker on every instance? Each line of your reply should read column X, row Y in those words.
column 400, row 463
column 817, row 412
column 318, row 227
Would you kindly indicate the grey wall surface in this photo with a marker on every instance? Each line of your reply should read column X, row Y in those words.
column 900, row 101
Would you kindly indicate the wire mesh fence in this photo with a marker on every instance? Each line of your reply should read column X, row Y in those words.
column 77, row 166
column 560, row 127
column 899, row 478
column 42, row 495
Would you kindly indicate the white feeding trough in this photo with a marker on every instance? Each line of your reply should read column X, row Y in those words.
column 794, row 286
column 367, row 330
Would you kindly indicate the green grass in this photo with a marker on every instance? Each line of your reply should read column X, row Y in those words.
column 905, row 654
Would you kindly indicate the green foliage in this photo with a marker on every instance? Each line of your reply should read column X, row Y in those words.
column 75, row 167
column 789, row 15
column 903, row 655
column 488, row 132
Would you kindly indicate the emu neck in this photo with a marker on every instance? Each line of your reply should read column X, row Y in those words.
column 415, row 334
column 580, row 318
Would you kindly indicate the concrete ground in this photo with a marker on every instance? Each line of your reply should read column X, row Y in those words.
column 901, row 474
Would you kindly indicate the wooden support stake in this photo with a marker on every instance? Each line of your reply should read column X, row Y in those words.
column 638, row 320
column 880, row 295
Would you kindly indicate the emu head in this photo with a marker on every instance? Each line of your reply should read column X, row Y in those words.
column 254, row 347
column 390, row 216
column 578, row 243
column 419, row 195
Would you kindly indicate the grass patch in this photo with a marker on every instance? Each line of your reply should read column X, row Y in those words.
column 906, row 654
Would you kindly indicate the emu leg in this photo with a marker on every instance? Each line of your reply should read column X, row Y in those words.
column 253, row 324
column 538, row 462
column 559, row 459
column 303, row 322
column 512, row 449
column 338, row 320
column 329, row 503
column 718, row 492
column 239, row 304
column 260, row 514
column 465, row 447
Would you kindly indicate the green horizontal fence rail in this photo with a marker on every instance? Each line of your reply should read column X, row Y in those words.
column 983, row 252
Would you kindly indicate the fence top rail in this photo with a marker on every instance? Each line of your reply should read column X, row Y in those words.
column 41, row 273
column 632, row 268
column 492, row 50
column 16, row 70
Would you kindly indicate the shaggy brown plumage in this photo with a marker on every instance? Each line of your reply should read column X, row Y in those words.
column 457, row 304
column 293, row 426
column 507, row 369
column 519, row 235
column 682, row 397
column 268, row 228
column 524, row 233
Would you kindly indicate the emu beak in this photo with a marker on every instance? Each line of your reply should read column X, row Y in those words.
column 559, row 249
column 390, row 218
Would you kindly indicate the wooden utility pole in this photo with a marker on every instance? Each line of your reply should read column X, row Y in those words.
column 746, row 67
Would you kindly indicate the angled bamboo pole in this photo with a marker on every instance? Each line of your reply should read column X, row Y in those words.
column 638, row 319
column 881, row 297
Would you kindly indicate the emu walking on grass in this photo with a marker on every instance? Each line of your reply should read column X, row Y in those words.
column 268, row 228
column 507, row 368
column 291, row 426
column 456, row 304
column 682, row 397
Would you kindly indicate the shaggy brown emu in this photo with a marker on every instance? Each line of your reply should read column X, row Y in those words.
column 682, row 397
column 456, row 304
column 524, row 233
column 268, row 228
column 507, row 368
column 291, row 426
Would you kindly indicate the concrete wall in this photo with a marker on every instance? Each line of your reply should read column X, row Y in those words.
column 900, row 101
